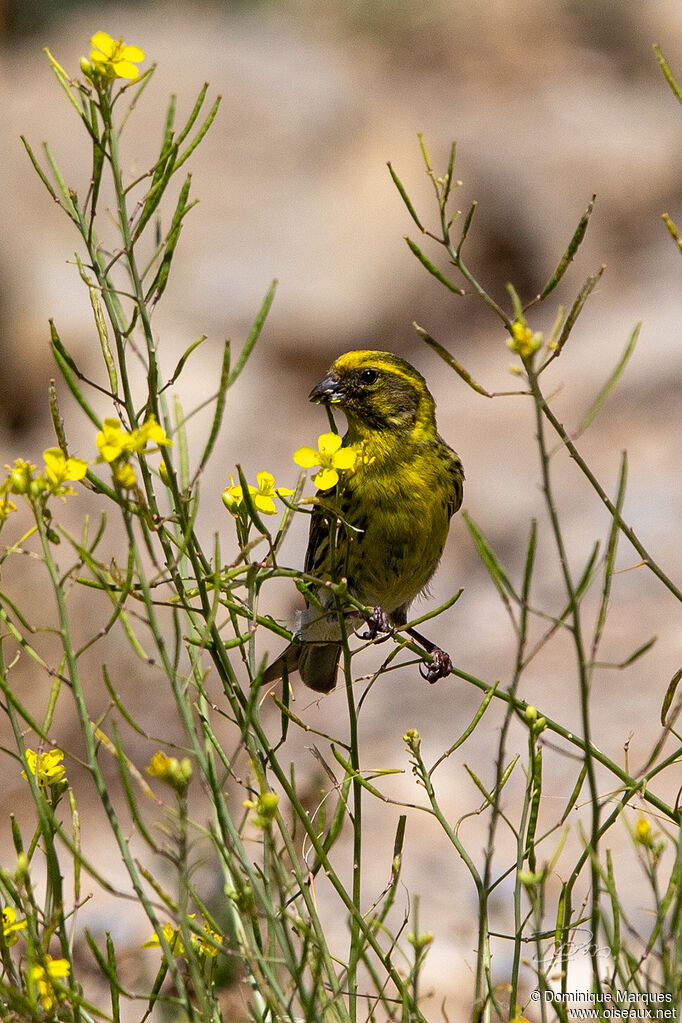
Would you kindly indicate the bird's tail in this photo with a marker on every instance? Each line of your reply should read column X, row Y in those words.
column 316, row 663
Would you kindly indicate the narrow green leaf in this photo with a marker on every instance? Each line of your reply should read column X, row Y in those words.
column 98, row 154
column 449, row 182
column 158, row 285
column 583, row 295
column 612, row 380
column 182, row 360
column 38, row 169
column 495, row 570
column 570, row 252
column 138, row 86
column 115, row 985
column 672, row 228
column 57, row 420
column 668, row 73
column 67, row 368
column 64, row 80
column 182, row 135
column 163, row 172
column 183, row 446
column 573, row 798
column 199, row 136
column 560, row 913
column 399, row 841
column 530, row 561
column 536, row 792
column 168, row 126
column 339, row 817
column 669, row 694
column 16, row 835
column 469, row 729
column 432, row 268
column 479, row 785
column 254, row 333
column 285, row 711
column 490, row 796
column 465, row 229
column 68, row 202
column 425, row 155
column 516, row 301
column 404, row 196
column 611, row 550
column 615, row 903
column 219, row 407
column 120, row 706
column 356, row 775
column 451, row 361
column 101, row 325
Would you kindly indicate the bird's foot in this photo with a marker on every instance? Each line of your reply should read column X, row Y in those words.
column 377, row 622
column 440, row 666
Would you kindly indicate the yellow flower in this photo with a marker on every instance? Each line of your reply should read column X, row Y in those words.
column 42, row 976
column 10, row 925
column 172, row 936
column 59, row 468
column 113, row 59
column 265, row 807
column 111, row 440
column 176, row 773
column 330, row 456
column 46, row 767
column 523, row 340
column 200, row 944
column 643, row 832
column 150, row 432
column 20, row 476
column 203, row 945
column 6, row 508
column 125, row 475
column 262, row 495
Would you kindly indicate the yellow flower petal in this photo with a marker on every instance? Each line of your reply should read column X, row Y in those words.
column 58, row 967
column 326, row 478
column 266, row 482
column 124, row 69
column 103, row 41
column 133, row 53
column 344, row 458
column 329, row 443
column 307, row 457
column 265, row 504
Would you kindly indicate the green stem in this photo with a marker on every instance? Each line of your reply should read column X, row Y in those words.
column 581, row 664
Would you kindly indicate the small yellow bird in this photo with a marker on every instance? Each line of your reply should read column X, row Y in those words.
column 384, row 524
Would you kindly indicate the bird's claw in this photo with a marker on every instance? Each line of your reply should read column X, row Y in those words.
column 377, row 622
column 440, row 666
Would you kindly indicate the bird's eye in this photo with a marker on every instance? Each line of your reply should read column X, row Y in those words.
column 368, row 376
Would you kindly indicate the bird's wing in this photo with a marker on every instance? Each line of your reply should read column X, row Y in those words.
column 456, row 474
column 317, row 552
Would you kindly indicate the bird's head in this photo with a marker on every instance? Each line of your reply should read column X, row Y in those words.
column 377, row 391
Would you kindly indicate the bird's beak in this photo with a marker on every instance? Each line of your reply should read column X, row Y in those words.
column 329, row 391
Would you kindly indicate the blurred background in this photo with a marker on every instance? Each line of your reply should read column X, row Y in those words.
column 550, row 101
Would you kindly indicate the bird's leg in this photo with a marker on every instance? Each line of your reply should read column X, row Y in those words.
column 441, row 664
column 377, row 622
